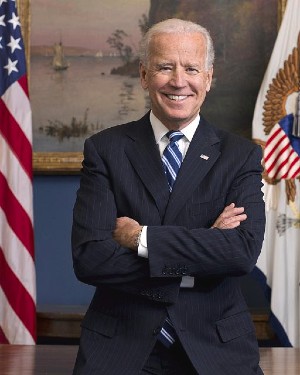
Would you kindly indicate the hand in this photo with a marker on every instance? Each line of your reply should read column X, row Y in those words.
column 230, row 218
column 126, row 232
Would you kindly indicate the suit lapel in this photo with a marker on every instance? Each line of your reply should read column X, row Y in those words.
column 202, row 154
column 144, row 156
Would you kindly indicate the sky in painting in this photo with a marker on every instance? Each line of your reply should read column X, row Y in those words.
column 82, row 23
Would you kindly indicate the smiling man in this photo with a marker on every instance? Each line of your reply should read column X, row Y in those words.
column 168, row 216
column 177, row 77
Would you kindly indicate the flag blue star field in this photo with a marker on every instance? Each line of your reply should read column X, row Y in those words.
column 17, row 275
column 276, row 126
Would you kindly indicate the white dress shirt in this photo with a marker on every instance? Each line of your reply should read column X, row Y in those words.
column 162, row 142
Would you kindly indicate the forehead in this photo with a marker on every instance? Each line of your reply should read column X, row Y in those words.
column 169, row 46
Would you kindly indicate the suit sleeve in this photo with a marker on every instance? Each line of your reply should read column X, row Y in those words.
column 97, row 258
column 201, row 252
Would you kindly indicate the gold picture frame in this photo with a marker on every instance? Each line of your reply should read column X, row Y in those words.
column 46, row 162
column 66, row 162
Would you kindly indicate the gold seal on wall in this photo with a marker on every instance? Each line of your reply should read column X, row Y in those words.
column 284, row 84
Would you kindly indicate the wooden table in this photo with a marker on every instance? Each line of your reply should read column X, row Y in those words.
column 37, row 360
column 59, row 360
column 280, row 361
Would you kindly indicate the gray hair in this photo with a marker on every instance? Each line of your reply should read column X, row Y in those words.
column 175, row 25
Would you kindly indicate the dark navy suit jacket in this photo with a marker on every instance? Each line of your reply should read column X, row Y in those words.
column 123, row 176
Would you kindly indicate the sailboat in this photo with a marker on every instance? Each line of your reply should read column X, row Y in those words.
column 59, row 62
column 99, row 54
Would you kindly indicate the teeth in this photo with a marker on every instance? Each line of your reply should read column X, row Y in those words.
column 176, row 97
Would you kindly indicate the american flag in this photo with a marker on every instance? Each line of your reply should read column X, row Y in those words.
column 282, row 151
column 17, row 269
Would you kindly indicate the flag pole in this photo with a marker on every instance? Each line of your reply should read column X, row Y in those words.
column 281, row 9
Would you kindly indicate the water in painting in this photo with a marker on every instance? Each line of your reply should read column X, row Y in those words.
column 70, row 104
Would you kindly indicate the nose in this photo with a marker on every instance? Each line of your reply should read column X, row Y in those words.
column 178, row 78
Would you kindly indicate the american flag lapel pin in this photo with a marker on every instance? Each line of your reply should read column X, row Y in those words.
column 205, row 157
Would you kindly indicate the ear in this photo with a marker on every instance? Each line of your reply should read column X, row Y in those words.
column 209, row 79
column 143, row 76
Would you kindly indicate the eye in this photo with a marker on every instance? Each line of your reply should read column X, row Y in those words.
column 164, row 68
column 192, row 70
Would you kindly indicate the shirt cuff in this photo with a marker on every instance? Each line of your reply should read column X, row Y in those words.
column 142, row 248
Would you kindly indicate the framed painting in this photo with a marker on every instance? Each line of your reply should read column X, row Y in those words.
column 83, row 66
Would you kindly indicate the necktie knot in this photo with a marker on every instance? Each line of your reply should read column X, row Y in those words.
column 174, row 136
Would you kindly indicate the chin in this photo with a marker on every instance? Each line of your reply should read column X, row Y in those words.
column 182, row 118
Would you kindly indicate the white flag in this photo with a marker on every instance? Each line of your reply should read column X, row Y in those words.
column 276, row 127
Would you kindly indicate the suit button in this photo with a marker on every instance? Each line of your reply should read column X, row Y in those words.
column 184, row 270
column 156, row 331
column 156, row 296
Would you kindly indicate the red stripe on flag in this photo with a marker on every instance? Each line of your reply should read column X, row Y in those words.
column 24, row 84
column 272, row 137
column 277, row 157
column 16, row 216
column 297, row 173
column 3, row 339
column 16, row 139
column 18, row 297
column 284, row 162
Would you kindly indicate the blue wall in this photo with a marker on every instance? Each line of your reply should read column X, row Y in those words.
column 54, row 197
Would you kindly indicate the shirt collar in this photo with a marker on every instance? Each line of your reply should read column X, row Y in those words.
column 160, row 130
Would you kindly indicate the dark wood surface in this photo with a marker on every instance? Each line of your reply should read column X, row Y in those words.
column 64, row 322
column 280, row 361
column 37, row 360
column 59, row 360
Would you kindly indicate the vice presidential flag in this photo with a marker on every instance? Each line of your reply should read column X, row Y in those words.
column 17, row 270
column 276, row 126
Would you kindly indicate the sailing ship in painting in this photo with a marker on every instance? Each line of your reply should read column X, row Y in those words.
column 99, row 54
column 59, row 62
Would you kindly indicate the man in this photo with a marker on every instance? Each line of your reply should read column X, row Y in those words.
column 159, row 227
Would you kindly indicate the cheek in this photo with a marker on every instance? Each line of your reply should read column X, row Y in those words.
column 203, row 87
column 154, row 86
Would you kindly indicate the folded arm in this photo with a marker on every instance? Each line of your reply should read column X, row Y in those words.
column 128, row 230
column 104, row 247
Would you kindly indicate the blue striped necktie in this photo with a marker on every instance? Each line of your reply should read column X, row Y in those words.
column 172, row 159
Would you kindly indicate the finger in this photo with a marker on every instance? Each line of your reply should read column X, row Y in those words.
column 229, row 207
column 234, row 220
column 232, row 212
column 241, row 217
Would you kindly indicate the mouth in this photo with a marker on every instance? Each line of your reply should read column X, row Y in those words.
column 176, row 98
